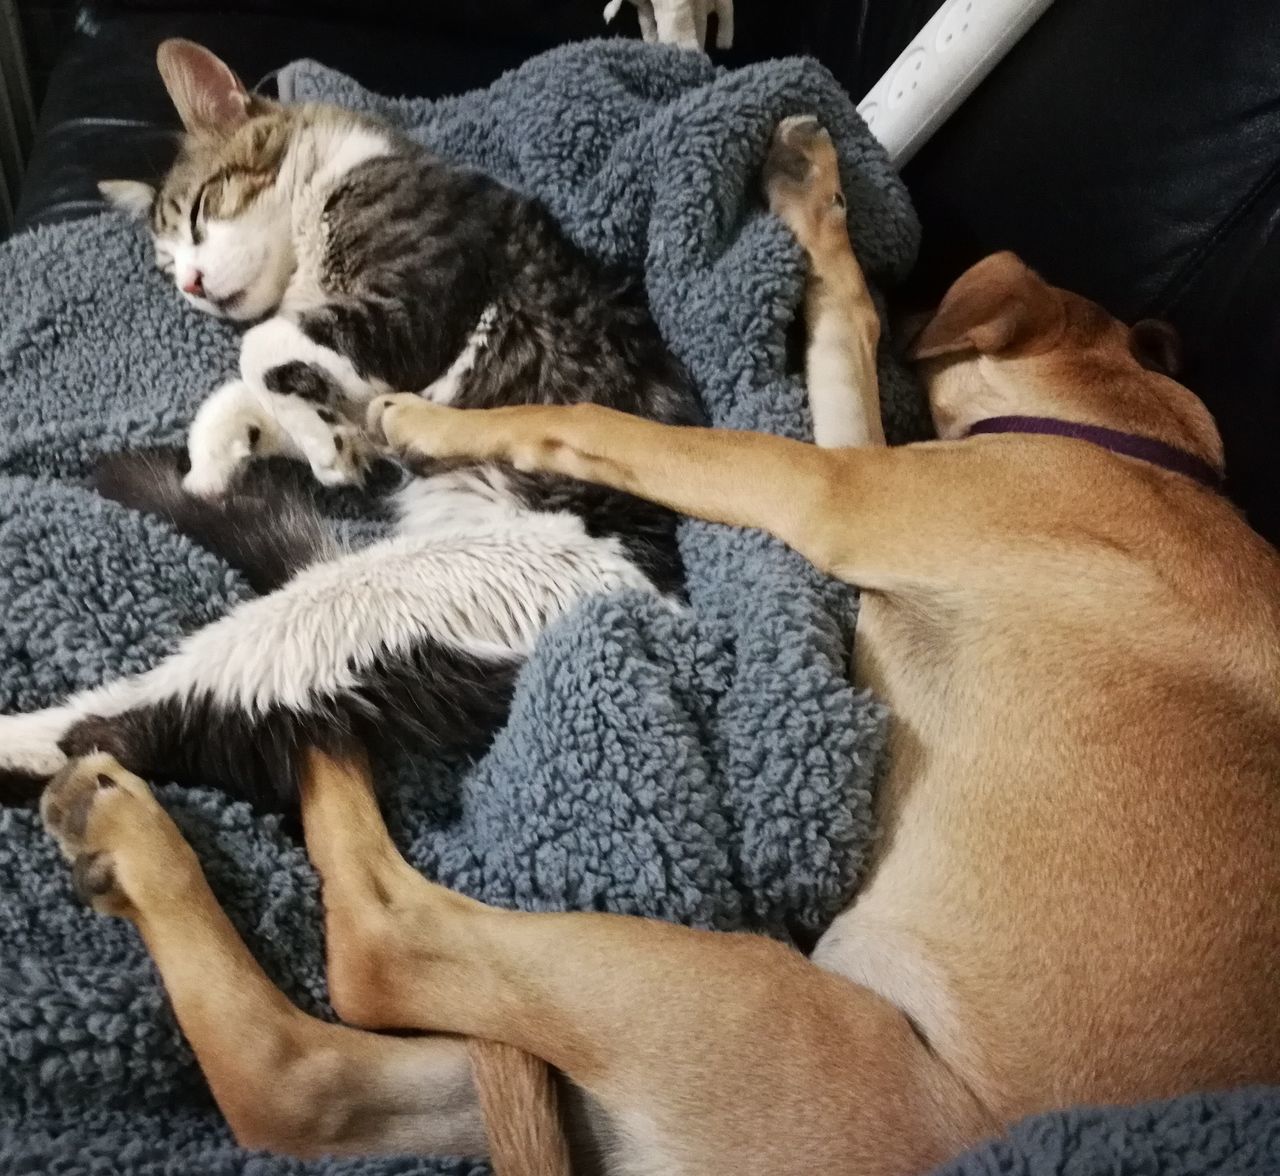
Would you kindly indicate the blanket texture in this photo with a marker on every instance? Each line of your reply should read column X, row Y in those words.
column 712, row 767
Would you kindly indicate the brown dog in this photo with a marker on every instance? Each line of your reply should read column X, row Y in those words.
column 1077, row 892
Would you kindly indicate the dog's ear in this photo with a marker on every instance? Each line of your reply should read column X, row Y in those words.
column 209, row 98
column 993, row 306
column 1156, row 345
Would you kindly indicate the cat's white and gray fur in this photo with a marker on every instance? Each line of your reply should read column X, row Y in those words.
column 381, row 268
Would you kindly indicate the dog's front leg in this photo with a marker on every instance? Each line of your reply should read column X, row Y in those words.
column 710, row 1052
column 802, row 183
column 740, row 478
column 876, row 517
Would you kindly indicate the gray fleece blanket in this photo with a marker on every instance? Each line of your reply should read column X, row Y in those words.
column 713, row 768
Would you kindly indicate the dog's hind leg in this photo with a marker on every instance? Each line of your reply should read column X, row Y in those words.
column 352, row 850
column 712, row 1053
column 285, row 1081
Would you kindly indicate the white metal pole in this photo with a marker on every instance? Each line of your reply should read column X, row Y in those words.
column 940, row 68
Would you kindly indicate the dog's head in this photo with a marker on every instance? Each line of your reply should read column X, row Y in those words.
column 1006, row 343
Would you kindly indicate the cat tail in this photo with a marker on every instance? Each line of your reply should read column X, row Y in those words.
column 520, row 1101
column 269, row 531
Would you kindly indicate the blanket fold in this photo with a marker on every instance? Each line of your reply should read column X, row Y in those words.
column 711, row 766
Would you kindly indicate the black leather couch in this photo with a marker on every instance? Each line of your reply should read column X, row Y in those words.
column 1129, row 149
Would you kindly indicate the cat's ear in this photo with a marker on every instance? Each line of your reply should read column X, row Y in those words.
column 209, row 97
column 131, row 196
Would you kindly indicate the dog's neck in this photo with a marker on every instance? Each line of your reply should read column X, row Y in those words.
column 1136, row 445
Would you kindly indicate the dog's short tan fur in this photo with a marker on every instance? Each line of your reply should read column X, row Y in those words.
column 1076, row 896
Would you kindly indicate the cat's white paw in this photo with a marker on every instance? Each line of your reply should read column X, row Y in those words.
column 347, row 460
column 209, row 483
column 230, row 430
column 29, row 743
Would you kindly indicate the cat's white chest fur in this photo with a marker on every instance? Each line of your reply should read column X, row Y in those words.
column 325, row 155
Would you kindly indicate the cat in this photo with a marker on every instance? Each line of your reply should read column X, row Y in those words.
column 373, row 266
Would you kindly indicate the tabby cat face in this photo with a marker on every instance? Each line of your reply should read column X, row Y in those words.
column 220, row 221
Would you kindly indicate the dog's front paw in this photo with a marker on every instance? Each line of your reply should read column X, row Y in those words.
column 124, row 849
column 404, row 423
column 802, row 180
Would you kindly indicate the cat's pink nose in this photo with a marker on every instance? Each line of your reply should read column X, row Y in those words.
column 194, row 284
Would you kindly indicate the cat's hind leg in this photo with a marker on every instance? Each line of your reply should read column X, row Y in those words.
column 270, row 538
column 421, row 636
column 363, row 638
column 31, row 744
column 29, row 751
column 364, row 641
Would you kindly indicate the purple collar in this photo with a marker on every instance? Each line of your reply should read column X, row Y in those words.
column 1168, row 457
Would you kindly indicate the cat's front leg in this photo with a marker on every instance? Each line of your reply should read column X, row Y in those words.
column 308, row 389
column 280, row 353
column 231, row 429
column 336, row 448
